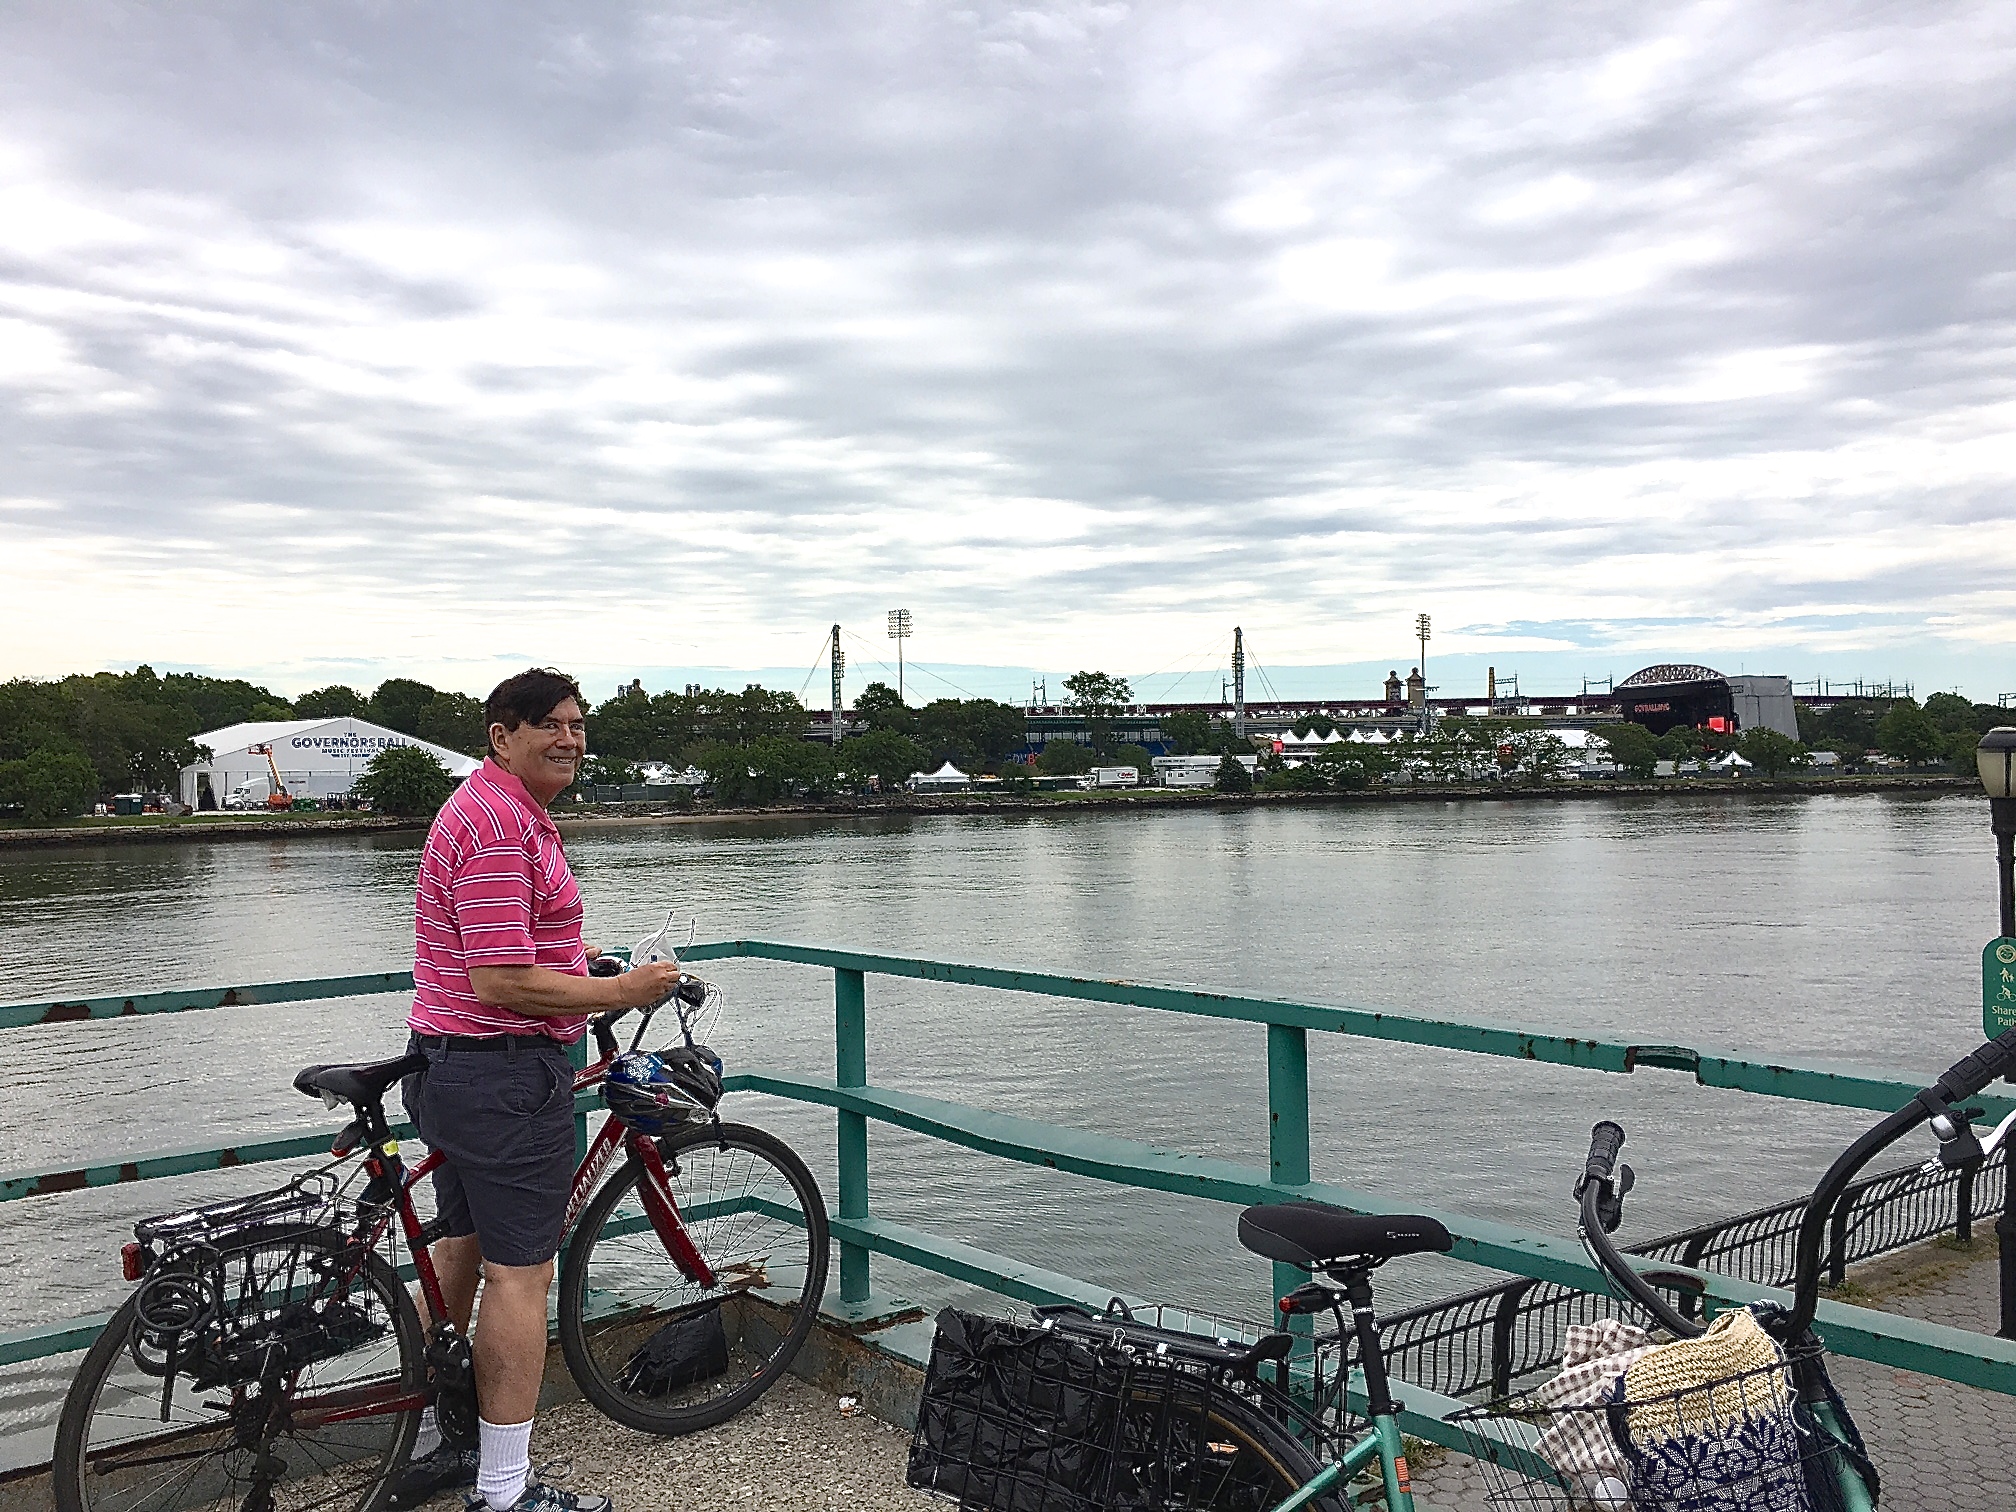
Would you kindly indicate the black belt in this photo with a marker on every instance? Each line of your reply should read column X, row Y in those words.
column 508, row 1042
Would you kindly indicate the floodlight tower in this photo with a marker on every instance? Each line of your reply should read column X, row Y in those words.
column 839, row 671
column 1421, row 634
column 1238, row 682
column 899, row 632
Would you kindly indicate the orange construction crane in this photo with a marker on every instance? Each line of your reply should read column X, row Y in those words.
column 279, row 798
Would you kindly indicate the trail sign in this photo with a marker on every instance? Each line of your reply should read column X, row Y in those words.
column 1998, row 986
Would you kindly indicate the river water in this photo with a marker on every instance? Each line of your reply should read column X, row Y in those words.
column 1824, row 927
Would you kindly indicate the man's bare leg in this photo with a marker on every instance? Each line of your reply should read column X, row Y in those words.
column 510, row 1347
column 457, row 1265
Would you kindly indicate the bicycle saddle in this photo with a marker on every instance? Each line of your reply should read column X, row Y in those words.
column 357, row 1084
column 1315, row 1234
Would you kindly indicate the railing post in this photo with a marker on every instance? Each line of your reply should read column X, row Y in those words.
column 1503, row 1321
column 1963, row 1197
column 1837, row 1262
column 1288, row 1126
column 850, row 1057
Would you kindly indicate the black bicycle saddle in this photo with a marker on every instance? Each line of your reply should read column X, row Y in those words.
column 359, row 1085
column 1315, row 1234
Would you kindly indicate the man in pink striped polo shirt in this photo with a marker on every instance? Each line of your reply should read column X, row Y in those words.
column 500, row 987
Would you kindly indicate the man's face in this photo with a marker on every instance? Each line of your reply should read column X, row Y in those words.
column 544, row 756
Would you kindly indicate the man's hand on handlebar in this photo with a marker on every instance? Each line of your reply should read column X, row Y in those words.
column 641, row 986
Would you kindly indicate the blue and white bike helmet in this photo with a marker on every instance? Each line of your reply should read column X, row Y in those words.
column 655, row 1092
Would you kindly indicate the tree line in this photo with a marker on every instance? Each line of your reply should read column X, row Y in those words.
column 68, row 742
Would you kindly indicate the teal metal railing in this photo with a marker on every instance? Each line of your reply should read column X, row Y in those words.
column 1931, row 1349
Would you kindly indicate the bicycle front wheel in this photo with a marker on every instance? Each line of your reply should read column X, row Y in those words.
column 1189, row 1450
column 654, row 1349
column 308, row 1387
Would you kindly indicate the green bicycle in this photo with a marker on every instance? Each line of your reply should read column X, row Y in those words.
column 1078, row 1411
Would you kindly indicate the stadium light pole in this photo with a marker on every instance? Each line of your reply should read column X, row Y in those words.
column 899, row 632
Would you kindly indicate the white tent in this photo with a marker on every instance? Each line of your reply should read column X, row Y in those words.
column 318, row 758
column 1731, row 761
column 946, row 779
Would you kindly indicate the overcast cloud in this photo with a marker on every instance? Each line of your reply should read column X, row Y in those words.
column 353, row 339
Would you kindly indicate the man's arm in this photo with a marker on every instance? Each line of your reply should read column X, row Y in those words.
column 541, row 992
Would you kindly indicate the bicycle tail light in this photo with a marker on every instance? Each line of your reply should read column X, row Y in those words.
column 132, row 1261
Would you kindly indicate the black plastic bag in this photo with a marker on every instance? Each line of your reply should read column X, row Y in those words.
column 685, row 1352
column 1014, row 1418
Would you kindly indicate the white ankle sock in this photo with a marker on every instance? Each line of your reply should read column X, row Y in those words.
column 429, row 1438
column 506, row 1464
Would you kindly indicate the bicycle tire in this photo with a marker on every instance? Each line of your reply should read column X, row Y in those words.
column 114, row 1454
column 619, row 1287
column 1188, row 1451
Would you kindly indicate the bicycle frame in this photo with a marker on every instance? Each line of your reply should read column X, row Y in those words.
column 388, row 1171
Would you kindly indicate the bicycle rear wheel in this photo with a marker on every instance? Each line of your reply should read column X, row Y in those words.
column 310, row 1433
column 754, row 1212
column 1190, row 1450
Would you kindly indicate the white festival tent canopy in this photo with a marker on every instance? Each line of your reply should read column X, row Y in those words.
column 317, row 757
column 946, row 777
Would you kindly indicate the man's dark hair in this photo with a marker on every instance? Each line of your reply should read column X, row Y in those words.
column 529, row 697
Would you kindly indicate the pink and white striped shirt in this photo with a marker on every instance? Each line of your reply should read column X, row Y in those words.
column 495, row 890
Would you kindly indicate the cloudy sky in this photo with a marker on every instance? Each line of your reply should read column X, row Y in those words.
column 339, row 340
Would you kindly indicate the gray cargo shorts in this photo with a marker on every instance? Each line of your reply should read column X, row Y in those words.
column 503, row 1119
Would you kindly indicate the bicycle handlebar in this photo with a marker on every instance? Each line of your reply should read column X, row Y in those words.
column 1605, row 1140
column 1971, row 1075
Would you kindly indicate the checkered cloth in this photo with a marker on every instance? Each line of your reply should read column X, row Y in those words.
column 1596, row 1355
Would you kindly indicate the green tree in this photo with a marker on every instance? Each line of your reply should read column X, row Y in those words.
column 1631, row 746
column 1099, row 697
column 1282, row 778
column 1772, row 753
column 1351, row 766
column 879, row 708
column 1065, row 758
column 1538, row 755
column 50, row 783
column 1849, row 727
column 333, row 702
column 1909, row 735
column 397, row 704
column 767, row 770
column 1232, row 776
column 1138, row 757
column 405, row 780
column 454, row 720
column 1188, row 732
column 1681, row 743
column 973, row 733
column 884, row 755
column 1314, row 724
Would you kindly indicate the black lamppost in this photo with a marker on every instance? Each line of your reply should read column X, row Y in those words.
column 1996, row 756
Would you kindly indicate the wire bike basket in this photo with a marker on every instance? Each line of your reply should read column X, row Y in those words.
column 1717, row 1424
column 1082, row 1414
column 253, row 1288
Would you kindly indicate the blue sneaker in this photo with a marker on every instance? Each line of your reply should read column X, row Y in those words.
column 421, row 1480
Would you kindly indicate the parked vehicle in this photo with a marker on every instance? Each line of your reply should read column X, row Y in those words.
column 1113, row 777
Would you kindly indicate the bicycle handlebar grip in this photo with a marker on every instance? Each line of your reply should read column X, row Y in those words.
column 1973, row 1074
column 1605, row 1140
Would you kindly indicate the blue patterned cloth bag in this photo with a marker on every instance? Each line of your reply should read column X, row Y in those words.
column 1708, row 1424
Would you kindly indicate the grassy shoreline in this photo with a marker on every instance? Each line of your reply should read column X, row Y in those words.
column 201, row 828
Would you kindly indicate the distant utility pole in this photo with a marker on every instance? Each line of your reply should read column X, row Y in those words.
column 839, row 671
column 899, row 632
column 1421, row 631
column 1238, row 682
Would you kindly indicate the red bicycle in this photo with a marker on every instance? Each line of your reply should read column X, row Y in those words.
column 272, row 1356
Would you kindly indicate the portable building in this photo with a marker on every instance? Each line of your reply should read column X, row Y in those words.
column 317, row 758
